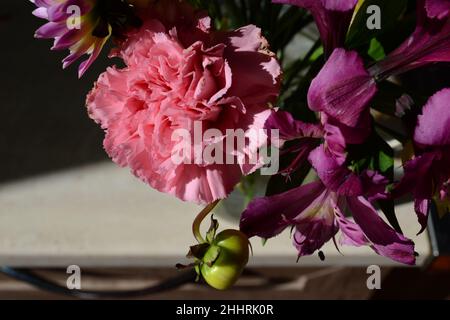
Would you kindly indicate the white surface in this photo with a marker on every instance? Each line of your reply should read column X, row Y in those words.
column 100, row 215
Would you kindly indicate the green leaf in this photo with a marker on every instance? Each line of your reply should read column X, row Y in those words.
column 385, row 161
column 376, row 50
column 316, row 54
column 197, row 270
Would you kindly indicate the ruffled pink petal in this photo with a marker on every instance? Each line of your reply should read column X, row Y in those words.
column 166, row 87
column 256, row 72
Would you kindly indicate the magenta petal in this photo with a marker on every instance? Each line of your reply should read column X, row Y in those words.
column 312, row 235
column 71, row 58
column 41, row 13
column 335, row 5
column 316, row 225
column 343, row 88
column 268, row 216
column 58, row 12
column 384, row 240
column 291, row 129
column 430, row 42
column 374, row 185
column 67, row 40
column 433, row 126
column 256, row 74
column 43, row 3
column 438, row 9
column 335, row 176
column 418, row 179
column 306, row 135
column 429, row 170
column 422, row 208
column 352, row 135
column 335, row 143
column 351, row 233
column 327, row 168
column 82, row 68
column 51, row 30
column 79, row 42
column 332, row 18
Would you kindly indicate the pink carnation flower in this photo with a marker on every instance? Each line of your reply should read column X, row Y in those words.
column 174, row 79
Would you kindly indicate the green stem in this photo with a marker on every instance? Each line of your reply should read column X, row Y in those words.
column 198, row 221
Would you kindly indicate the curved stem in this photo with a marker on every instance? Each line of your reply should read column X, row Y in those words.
column 198, row 221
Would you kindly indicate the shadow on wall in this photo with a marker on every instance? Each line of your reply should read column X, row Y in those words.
column 44, row 125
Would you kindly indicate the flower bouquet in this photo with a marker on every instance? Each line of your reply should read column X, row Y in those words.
column 204, row 95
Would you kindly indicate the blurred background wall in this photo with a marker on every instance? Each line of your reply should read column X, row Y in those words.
column 43, row 122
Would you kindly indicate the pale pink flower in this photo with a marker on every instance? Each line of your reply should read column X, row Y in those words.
column 172, row 79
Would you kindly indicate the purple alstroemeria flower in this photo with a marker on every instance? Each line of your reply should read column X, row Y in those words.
column 344, row 87
column 316, row 210
column 306, row 136
column 430, row 42
column 317, row 213
column 427, row 175
column 332, row 18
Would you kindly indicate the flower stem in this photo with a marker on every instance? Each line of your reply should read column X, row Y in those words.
column 198, row 221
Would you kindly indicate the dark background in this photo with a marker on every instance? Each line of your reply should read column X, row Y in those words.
column 44, row 123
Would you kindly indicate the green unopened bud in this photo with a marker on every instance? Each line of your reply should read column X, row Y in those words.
column 225, row 259
column 219, row 258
